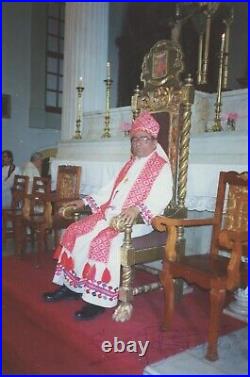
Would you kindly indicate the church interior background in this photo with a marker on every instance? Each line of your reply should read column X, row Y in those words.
column 90, row 35
column 126, row 38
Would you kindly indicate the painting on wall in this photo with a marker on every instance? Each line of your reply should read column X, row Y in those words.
column 6, row 106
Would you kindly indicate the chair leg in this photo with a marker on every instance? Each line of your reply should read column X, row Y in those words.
column 169, row 296
column 19, row 236
column 40, row 233
column 217, row 298
column 124, row 310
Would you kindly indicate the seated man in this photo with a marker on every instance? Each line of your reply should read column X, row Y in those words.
column 33, row 168
column 88, row 254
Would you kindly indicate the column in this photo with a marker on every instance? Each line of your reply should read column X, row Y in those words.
column 85, row 54
column 239, row 307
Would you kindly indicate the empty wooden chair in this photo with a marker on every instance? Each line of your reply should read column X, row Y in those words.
column 36, row 215
column 67, row 189
column 11, row 215
column 214, row 271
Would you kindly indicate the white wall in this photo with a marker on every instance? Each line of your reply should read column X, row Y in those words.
column 16, row 71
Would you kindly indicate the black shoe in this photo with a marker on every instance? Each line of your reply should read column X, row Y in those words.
column 62, row 293
column 89, row 311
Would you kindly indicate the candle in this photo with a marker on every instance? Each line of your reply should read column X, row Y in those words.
column 80, row 82
column 108, row 70
column 200, row 58
column 222, row 42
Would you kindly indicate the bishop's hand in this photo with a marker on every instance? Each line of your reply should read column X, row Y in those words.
column 129, row 215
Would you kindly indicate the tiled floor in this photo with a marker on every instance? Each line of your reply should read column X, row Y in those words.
column 233, row 359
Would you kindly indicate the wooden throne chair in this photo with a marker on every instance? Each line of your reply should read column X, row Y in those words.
column 67, row 189
column 222, row 269
column 169, row 100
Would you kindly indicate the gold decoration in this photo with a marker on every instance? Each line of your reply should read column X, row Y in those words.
column 228, row 22
column 134, row 102
column 217, row 120
column 123, row 312
column 200, row 59
column 209, row 11
column 108, row 83
column 163, row 64
column 188, row 97
column 80, row 90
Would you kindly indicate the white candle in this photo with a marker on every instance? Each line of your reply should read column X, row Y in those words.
column 108, row 71
column 80, row 82
column 222, row 48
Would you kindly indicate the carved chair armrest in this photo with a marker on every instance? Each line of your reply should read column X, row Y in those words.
column 78, row 213
column 170, row 225
column 71, row 213
column 161, row 222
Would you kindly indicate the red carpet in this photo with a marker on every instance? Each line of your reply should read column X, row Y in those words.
column 41, row 338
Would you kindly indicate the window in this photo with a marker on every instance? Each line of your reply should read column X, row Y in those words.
column 54, row 57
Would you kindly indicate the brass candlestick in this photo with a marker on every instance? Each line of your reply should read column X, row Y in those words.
column 217, row 119
column 80, row 90
column 134, row 102
column 106, row 131
column 228, row 22
column 200, row 59
column 210, row 10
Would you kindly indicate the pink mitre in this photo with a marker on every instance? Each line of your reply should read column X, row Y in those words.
column 145, row 122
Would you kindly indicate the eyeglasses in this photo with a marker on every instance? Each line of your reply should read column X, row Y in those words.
column 141, row 139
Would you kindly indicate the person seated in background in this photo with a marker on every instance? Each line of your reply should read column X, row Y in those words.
column 9, row 170
column 89, row 251
column 33, row 168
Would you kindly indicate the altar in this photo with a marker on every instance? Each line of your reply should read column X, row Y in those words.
column 210, row 153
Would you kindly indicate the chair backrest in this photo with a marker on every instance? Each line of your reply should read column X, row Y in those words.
column 40, row 196
column 19, row 190
column 231, row 211
column 68, row 182
column 169, row 101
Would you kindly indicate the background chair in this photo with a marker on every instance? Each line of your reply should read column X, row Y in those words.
column 214, row 271
column 169, row 101
column 67, row 189
column 36, row 215
column 11, row 215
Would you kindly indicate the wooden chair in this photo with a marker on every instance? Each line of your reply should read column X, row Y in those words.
column 67, row 189
column 11, row 215
column 169, row 101
column 36, row 214
column 214, row 271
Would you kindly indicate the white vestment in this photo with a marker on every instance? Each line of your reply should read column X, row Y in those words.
column 7, row 184
column 73, row 261
column 31, row 171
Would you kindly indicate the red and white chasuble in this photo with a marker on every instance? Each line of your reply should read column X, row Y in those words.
column 89, row 251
